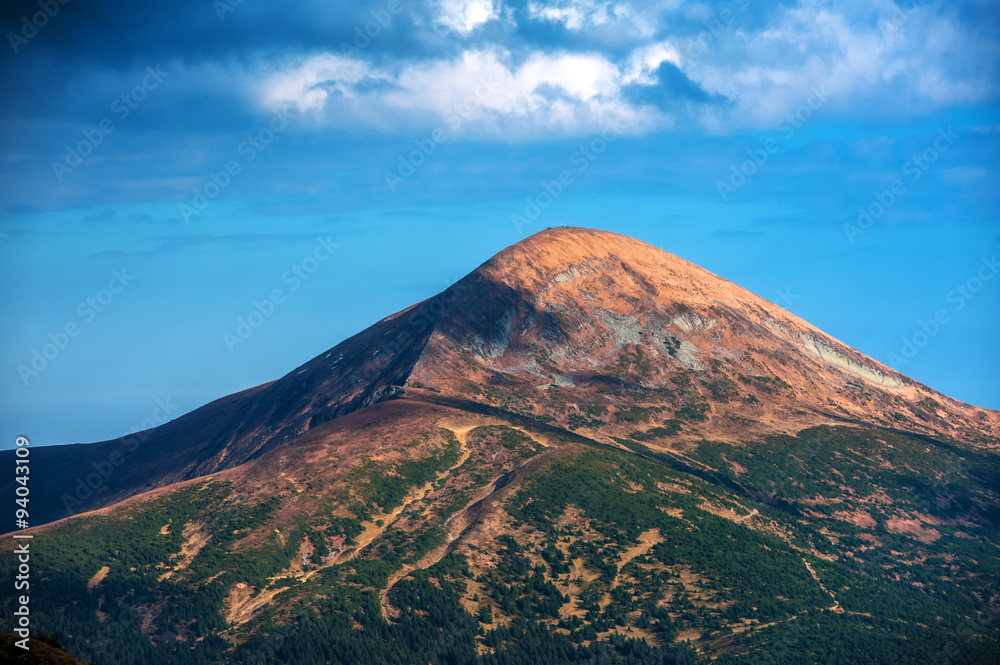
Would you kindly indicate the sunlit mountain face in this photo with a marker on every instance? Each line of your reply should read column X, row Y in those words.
column 586, row 450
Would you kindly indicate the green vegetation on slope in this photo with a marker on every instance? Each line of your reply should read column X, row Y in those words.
column 607, row 557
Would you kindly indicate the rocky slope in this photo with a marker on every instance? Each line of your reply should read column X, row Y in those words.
column 588, row 310
column 588, row 329
column 586, row 451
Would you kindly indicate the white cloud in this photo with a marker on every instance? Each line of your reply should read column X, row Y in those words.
column 902, row 63
column 308, row 84
column 897, row 63
column 478, row 94
column 645, row 60
column 574, row 14
column 579, row 15
column 464, row 16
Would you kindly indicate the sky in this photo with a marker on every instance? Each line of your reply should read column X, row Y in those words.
column 172, row 172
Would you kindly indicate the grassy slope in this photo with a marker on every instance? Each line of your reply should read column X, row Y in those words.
column 721, row 568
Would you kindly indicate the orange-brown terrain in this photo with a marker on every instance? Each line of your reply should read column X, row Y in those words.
column 587, row 450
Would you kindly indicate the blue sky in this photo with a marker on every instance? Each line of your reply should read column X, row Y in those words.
column 167, row 168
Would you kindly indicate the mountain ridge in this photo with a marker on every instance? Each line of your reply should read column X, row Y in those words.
column 585, row 451
column 565, row 309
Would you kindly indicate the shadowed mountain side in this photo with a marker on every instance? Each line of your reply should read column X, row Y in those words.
column 586, row 330
column 325, row 454
column 232, row 430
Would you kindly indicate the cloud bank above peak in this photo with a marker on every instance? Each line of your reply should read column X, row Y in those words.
column 521, row 73
column 478, row 94
column 528, row 70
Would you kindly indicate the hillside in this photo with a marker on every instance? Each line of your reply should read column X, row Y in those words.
column 583, row 328
column 586, row 451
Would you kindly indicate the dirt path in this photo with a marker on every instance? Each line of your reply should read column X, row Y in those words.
column 836, row 603
column 372, row 530
column 195, row 539
column 243, row 602
column 461, row 523
column 646, row 542
column 432, row 557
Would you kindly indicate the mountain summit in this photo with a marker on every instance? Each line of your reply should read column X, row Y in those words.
column 586, row 451
column 578, row 327
column 587, row 309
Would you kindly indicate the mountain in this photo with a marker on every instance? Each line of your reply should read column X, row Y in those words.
column 552, row 328
column 587, row 450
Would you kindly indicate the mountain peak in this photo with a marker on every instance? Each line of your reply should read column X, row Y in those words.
column 614, row 318
column 573, row 242
column 556, row 251
column 615, row 271
column 587, row 448
column 585, row 330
